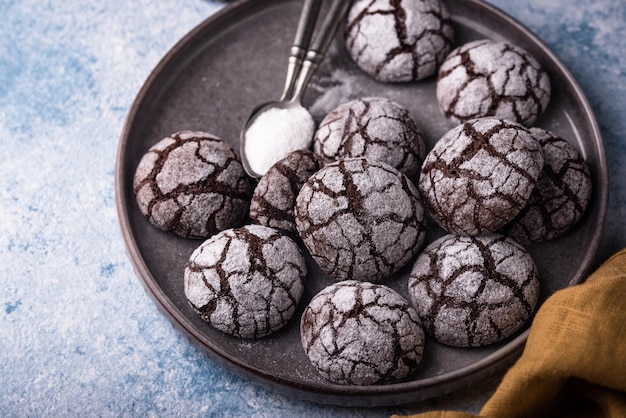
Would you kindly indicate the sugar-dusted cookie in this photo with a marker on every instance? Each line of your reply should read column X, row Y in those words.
column 396, row 41
column 561, row 195
column 373, row 127
column 474, row 291
column 246, row 281
column 192, row 184
column 490, row 78
column 360, row 219
column 479, row 175
column 359, row 333
column 274, row 197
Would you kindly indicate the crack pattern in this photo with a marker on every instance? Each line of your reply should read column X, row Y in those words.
column 480, row 175
column 274, row 197
column 474, row 291
column 399, row 40
column 360, row 333
column 560, row 197
column 360, row 219
column 192, row 184
column 489, row 78
column 246, row 281
column 375, row 128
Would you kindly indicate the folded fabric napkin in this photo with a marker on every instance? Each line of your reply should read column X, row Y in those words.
column 574, row 361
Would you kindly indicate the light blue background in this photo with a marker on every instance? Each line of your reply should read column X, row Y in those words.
column 78, row 334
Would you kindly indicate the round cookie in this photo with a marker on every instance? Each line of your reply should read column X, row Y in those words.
column 489, row 78
column 479, row 175
column 359, row 333
column 246, row 281
column 372, row 127
column 192, row 184
column 274, row 197
column 474, row 291
column 360, row 219
column 398, row 41
column 560, row 197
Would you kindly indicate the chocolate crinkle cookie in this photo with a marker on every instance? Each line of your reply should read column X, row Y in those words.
column 274, row 197
column 360, row 219
column 398, row 41
column 479, row 175
column 560, row 197
column 192, row 184
column 372, row 127
column 489, row 78
column 358, row 333
column 474, row 291
column 246, row 281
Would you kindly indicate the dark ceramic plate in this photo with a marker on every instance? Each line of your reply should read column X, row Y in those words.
column 235, row 60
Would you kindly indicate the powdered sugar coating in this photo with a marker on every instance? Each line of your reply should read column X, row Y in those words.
column 246, row 281
column 479, row 175
column 561, row 195
column 192, row 184
column 372, row 127
column 274, row 133
column 397, row 41
column 359, row 333
column 360, row 219
column 274, row 197
column 489, row 78
column 474, row 291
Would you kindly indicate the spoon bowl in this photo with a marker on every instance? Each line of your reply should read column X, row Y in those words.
column 274, row 130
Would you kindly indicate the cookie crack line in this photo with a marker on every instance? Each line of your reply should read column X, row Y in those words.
column 246, row 292
column 187, row 178
column 480, row 142
column 399, row 15
column 332, row 333
column 463, row 296
column 514, row 84
column 197, row 268
column 355, row 205
column 511, row 183
column 410, row 47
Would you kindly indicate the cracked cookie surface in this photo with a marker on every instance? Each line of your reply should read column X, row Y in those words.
column 489, row 78
column 372, row 127
column 192, row 184
column 359, row 333
column 474, row 291
column 274, row 197
column 399, row 40
column 560, row 197
column 360, row 219
column 479, row 175
column 246, row 281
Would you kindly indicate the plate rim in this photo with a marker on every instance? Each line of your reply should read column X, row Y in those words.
column 377, row 395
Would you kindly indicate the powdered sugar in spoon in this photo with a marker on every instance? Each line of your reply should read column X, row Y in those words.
column 277, row 128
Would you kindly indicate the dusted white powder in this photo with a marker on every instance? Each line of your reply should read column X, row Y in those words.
column 275, row 133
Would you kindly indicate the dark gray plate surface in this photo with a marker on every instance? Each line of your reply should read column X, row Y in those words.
column 235, row 60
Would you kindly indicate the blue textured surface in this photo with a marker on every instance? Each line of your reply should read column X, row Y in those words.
column 78, row 334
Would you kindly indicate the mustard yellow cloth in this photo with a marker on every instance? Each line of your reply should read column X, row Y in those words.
column 574, row 362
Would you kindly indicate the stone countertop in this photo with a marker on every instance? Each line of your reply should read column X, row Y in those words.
column 79, row 336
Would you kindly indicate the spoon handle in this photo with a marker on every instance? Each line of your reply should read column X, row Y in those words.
column 318, row 48
column 304, row 31
column 336, row 12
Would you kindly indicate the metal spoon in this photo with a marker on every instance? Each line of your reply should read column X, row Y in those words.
column 287, row 115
